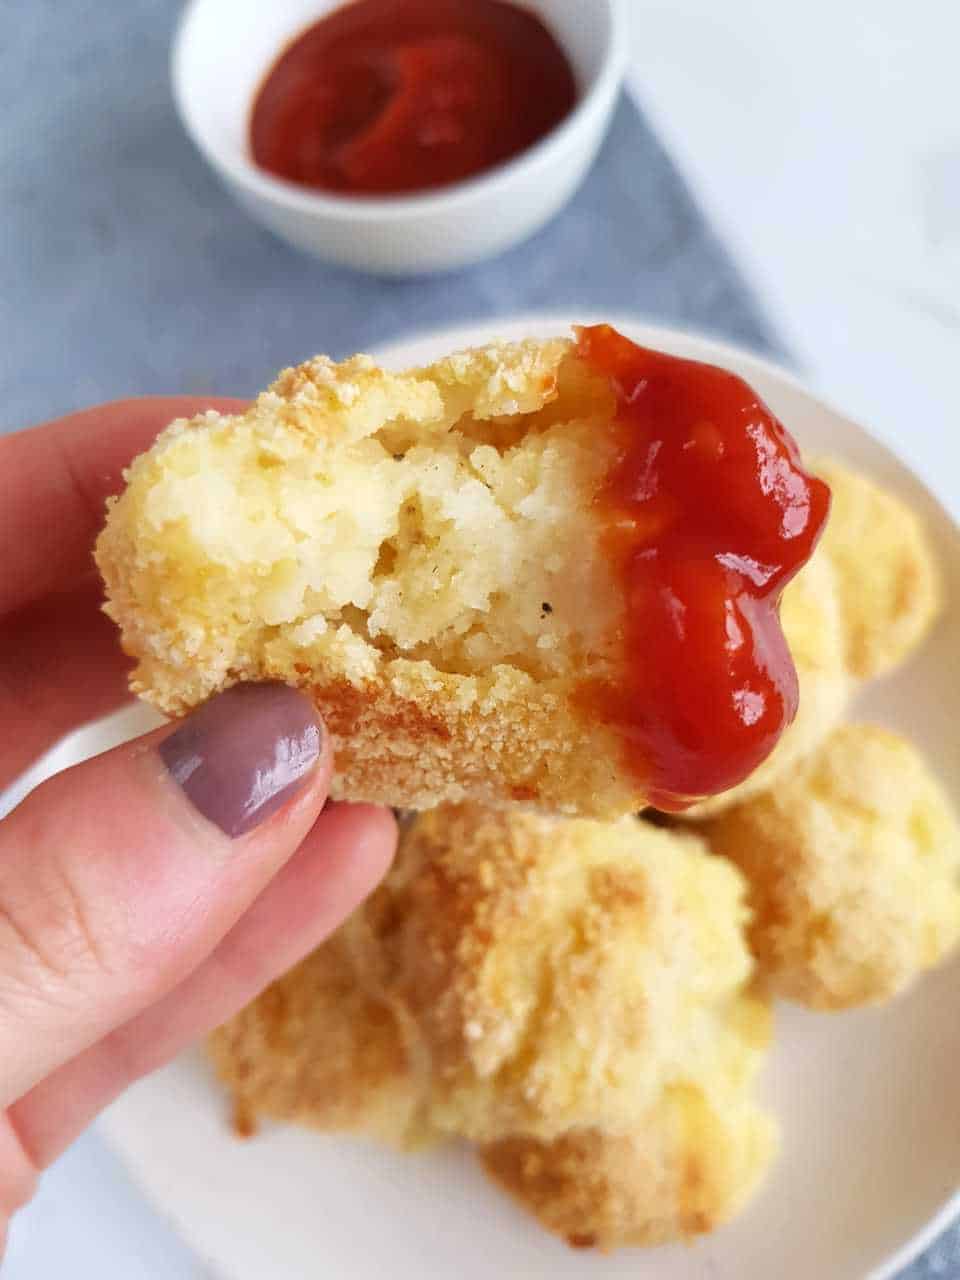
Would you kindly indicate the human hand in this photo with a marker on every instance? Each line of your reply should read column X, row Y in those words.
column 147, row 894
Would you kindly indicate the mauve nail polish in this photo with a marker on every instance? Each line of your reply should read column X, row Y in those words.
column 244, row 754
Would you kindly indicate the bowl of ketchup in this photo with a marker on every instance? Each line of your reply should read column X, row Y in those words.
column 400, row 136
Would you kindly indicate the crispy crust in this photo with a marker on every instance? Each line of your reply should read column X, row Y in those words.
column 514, row 741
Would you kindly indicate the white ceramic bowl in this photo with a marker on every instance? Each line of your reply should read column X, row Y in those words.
column 223, row 49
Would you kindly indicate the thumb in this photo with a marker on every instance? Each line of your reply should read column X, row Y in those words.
column 119, row 877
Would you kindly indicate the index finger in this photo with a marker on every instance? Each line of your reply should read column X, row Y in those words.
column 55, row 479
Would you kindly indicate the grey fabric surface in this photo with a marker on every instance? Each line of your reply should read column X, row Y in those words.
column 126, row 270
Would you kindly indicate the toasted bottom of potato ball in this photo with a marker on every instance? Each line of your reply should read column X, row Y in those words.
column 689, row 1167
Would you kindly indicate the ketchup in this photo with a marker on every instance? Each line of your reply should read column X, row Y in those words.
column 708, row 514
column 396, row 96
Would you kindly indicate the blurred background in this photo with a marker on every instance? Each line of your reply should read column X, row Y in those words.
column 783, row 176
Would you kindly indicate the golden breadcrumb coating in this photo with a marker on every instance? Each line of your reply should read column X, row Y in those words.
column 316, row 1049
column 417, row 549
column 558, row 973
column 691, row 1165
column 865, row 600
column 854, row 868
column 887, row 576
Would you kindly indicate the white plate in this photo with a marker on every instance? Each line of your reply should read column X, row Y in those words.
column 869, row 1101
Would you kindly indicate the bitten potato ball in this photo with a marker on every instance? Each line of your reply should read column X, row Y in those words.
column 436, row 557
column 416, row 549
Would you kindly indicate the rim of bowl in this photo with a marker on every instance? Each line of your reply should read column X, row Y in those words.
column 245, row 173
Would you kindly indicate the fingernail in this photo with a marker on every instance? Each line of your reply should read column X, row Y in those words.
column 242, row 755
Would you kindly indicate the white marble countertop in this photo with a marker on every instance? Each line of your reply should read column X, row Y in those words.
column 826, row 148
column 825, row 145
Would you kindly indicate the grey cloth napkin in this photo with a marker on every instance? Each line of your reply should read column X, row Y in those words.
column 126, row 270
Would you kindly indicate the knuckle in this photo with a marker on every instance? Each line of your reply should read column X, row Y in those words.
column 50, row 938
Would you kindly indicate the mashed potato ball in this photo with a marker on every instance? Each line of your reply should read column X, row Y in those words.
column 558, row 973
column 854, row 869
column 575, row 995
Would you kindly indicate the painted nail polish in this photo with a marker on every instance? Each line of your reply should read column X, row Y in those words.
column 244, row 754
